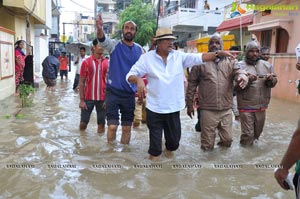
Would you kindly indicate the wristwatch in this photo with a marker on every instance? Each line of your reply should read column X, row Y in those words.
column 217, row 54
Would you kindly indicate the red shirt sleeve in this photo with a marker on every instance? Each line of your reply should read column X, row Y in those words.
column 83, row 69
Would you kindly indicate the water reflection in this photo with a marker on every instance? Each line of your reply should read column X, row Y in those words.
column 63, row 162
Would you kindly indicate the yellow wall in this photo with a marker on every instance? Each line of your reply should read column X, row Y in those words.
column 20, row 28
column 228, row 41
column 5, row 19
column 40, row 8
column 17, row 24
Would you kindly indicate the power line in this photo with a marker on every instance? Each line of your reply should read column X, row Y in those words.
column 82, row 6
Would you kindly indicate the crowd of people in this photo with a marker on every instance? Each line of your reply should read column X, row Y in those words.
column 117, row 89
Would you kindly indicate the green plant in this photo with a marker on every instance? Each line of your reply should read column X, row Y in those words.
column 24, row 92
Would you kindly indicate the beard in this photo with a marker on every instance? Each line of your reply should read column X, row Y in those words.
column 251, row 60
column 128, row 36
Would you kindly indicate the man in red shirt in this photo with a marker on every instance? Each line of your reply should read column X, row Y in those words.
column 92, row 84
column 63, row 67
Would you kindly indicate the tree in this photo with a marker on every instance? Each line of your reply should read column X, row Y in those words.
column 143, row 14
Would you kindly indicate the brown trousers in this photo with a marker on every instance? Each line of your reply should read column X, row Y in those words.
column 212, row 120
column 252, row 125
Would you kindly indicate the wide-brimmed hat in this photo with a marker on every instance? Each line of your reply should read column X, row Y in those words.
column 164, row 33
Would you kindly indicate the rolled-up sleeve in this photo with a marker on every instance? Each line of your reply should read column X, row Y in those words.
column 138, row 69
column 190, row 59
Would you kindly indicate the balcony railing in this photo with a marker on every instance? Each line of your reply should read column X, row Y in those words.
column 110, row 17
column 191, row 17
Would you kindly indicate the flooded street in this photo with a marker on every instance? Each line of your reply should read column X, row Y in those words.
column 44, row 155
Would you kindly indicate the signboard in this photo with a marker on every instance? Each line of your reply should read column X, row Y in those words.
column 7, row 61
column 7, row 53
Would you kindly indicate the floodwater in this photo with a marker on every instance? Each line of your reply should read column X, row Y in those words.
column 44, row 155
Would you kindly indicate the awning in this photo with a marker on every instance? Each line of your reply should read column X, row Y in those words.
column 283, row 23
column 232, row 24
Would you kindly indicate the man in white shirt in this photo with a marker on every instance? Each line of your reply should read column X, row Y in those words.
column 78, row 62
column 164, row 70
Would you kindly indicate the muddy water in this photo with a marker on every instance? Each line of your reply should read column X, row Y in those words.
column 44, row 155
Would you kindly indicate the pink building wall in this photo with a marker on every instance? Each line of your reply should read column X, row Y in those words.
column 284, row 63
column 287, row 75
column 289, row 19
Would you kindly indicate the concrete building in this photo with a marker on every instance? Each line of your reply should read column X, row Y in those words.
column 29, row 20
column 191, row 20
column 276, row 25
column 237, row 18
column 84, row 28
column 106, row 8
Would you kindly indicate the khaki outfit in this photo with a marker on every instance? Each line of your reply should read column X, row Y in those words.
column 254, row 100
column 139, row 113
column 215, row 88
column 252, row 124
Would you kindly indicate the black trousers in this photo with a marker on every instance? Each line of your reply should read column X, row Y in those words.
column 76, row 81
column 168, row 123
column 198, row 125
column 295, row 181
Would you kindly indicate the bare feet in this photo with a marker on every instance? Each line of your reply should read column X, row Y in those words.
column 168, row 154
column 154, row 158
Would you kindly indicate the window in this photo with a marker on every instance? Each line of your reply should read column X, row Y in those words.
column 85, row 29
column 282, row 40
column 266, row 38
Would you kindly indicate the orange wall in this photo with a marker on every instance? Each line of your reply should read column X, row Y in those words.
column 287, row 74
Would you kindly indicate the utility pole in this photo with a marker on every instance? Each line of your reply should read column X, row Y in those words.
column 158, row 13
column 95, row 15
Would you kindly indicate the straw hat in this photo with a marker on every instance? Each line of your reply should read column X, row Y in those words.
column 164, row 33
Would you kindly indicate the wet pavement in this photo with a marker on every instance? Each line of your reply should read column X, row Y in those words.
column 44, row 155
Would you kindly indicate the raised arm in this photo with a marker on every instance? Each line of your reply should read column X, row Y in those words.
column 99, row 25
column 210, row 56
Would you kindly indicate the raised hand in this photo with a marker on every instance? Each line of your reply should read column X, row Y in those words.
column 99, row 25
column 99, row 21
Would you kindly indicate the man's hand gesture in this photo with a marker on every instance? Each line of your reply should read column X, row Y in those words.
column 99, row 25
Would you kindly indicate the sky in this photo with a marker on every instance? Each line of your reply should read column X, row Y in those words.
column 70, row 7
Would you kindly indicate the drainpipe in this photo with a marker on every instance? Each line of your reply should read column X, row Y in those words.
column 28, row 39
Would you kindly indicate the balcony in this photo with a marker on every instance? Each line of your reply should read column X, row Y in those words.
column 106, row 2
column 191, row 20
column 36, row 8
